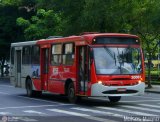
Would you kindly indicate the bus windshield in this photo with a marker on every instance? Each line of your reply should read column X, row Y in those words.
column 117, row 60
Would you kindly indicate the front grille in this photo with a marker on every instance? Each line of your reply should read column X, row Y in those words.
column 120, row 84
column 120, row 92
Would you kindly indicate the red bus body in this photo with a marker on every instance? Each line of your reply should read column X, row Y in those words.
column 73, row 59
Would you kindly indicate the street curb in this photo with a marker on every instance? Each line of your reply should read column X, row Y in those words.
column 158, row 92
column 4, row 78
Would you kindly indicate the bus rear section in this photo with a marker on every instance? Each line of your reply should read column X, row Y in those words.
column 22, row 58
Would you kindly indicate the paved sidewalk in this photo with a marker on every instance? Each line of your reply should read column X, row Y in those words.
column 154, row 89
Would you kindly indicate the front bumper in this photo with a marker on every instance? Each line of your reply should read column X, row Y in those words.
column 99, row 90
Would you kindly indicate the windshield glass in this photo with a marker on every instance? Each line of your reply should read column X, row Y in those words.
column 117, row 60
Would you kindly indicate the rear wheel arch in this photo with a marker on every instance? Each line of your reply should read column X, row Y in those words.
column 70, row 91
column 27, row 80
column 30, row 88
column 67, row 83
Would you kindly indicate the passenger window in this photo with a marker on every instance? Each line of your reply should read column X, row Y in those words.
column 35, row 55
column 56, row 54
column 26, row 56
column 68, row 55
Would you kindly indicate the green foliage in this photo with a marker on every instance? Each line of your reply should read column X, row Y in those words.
column 22, row 22
column 10, row 2
column 73, row 17
column 35, row 19
column 10, row 10
column 42, row 25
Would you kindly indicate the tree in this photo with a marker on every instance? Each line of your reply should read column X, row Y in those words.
column 9, row 31
column 148, row 27
column 39, row 19
column 151, row 44
column 42, row 25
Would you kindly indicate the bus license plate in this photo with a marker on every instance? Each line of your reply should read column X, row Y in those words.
column 121, row 89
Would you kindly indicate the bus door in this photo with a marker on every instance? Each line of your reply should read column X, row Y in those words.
column 44, row 67
column 83, row 68
column 18, row 68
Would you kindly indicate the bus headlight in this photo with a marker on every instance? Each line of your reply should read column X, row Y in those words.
column 139, row 81
column 99, row 82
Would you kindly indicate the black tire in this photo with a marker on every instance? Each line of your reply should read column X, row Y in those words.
column 29, row 88
column 71, row 94
column 30, row 91
column 37, row 93
column 114, row 99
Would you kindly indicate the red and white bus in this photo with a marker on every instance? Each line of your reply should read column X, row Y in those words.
column 89, row 65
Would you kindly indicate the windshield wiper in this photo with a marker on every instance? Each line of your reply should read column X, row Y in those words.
column 120, row 60
column 115, row 59
column 110, row 54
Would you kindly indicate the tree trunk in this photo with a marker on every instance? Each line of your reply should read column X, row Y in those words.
column 149, row 71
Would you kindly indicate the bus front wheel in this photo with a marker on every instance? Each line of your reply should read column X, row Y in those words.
column 114, row 99
column 71, row 94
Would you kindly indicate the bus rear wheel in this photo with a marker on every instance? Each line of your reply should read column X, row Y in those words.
column 30, row 91
column 114, row 99
column 71, row 94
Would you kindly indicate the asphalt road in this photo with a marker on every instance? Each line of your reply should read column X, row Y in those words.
column 16, row 106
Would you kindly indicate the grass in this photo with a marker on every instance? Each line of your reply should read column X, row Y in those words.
column 155, row 76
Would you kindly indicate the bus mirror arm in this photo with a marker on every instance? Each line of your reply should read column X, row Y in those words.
column 91, row 56
column 91, row 62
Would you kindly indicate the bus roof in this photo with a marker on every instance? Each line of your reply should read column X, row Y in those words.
column 23, row 43
column 86, row 36
column 91, row 36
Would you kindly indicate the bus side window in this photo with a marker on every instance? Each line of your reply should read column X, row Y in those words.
column 56, row 54
column 26, row 57
column 68, row 54
column 35, row 55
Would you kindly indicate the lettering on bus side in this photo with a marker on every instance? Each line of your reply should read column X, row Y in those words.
column 55, row 71
column 66, row 69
